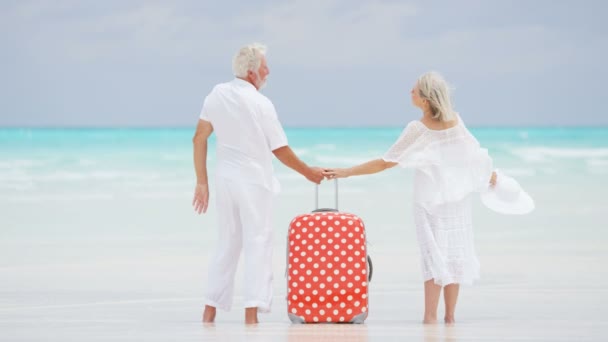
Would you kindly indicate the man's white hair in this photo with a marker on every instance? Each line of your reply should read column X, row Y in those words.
column 249, row 57
column 435, row 89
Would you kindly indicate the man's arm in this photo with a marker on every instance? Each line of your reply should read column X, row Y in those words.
column 286, row 155
column 199, row 142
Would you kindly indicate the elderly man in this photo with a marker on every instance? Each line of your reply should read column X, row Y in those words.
column 248, row 130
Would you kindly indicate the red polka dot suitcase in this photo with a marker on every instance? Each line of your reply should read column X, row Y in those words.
column 328, row 269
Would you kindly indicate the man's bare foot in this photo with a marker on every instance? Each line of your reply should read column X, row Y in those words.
column 449, row 320
column 251, row 316
column 209, row 314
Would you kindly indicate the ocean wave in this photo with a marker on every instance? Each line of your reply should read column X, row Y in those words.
column 542, row 154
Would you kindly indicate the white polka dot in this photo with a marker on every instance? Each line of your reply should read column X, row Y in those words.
column 357, row 265
column 301, row 305
column 315, row 319
column 322, row 286
column 349, row 311
column 330, row 241
column 343, row 265
column 343, row 240
column 309, row 259
column 342, row 305
column 357, row 278
column 303, row 254
column 343, row 252
column 316, row 253
column 342, row 292
column 337, row 235
column 356, row 229
column 321, row 299
column 350, row 272
column 323, row 223
column 350, row 259
column 323, row 247
column 363, row 271
column 302, row 265
column 305, row 218
column 328, row 305
column 343, row 278
column 323, row 259
column 317, row 241
column 294, row 297
column 294, row 284
column 350, row 223
column 364, row 296
column 349, row 298
column 301, row 291
column 350, row 235
column 307, row 298
column 336, row 312
column 344, row 229
column 301, row 278
column 336, row 298
column 341, row 319
column 317, row 229
column 315, row 265
column 311, row 235
column 357, row 290
column 304, row 230
column 357, row 303
column 336, row 285
column 349, row 285
column 297, row 248
column 357, row 253
column 315, row 279
column 309, row 272
column 329, row 265
column 329, row 279
column 296, row 259
column 314, row 305
column 324, row 235
column 310, row 224
column 330, row 253
column 315, row 292
column 363, row 259
column 357, row 241
column 350, row 246
column 336, row 271
column 294, row 310
column 322, row 312
column 308, row 285
column 329, row 319
column 331, row 217
column 336, row 259
column 308, row 311
column 364, row 284
column 337, row 246
column 295, row 272
column 363, row 309
column 322, row 272
column 297, row 236
column 310, row 247
column 329, row 292
column 297, row 225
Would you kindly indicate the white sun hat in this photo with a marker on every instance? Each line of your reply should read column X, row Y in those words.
column 507, row 197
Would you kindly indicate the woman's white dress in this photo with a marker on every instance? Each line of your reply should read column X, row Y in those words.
column 449, row 166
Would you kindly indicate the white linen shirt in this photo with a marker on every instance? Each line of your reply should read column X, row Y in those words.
column 247, row 129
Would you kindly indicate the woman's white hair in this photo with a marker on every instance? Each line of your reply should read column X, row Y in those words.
column 433, row 88
column 249, row 57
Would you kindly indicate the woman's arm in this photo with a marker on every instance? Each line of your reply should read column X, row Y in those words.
column 372, row 166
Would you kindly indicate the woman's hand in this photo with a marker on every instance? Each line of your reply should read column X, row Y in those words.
column 493, row 179
column 336, row 173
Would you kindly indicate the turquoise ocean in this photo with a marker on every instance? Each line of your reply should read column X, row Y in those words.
column 96, row 227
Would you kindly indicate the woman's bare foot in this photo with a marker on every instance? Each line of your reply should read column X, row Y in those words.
column 429, row 319
column 209, row 314
column 449, row 320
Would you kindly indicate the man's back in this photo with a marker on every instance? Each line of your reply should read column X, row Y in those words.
column 247, row 130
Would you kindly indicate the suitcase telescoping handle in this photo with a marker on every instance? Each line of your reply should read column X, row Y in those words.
column 317, row 209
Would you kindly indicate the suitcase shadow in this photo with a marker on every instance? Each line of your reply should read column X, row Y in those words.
column 327, row 332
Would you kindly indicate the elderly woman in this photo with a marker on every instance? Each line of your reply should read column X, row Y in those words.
column 449, row 166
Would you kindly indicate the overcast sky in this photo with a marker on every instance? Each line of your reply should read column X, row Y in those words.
column 332, row 62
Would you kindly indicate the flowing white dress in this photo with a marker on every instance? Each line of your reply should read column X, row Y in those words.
column 449, row 167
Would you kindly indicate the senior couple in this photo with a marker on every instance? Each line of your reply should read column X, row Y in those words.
column 448, row 161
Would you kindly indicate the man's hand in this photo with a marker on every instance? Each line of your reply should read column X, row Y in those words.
column 315, row 175
column 201, row 198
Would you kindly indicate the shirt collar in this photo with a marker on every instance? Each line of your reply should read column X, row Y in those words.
column 242, row 82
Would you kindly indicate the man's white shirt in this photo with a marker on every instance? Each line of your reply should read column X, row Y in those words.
column 247, row 129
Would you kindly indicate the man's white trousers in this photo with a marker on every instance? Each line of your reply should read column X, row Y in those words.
column 244, row 223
